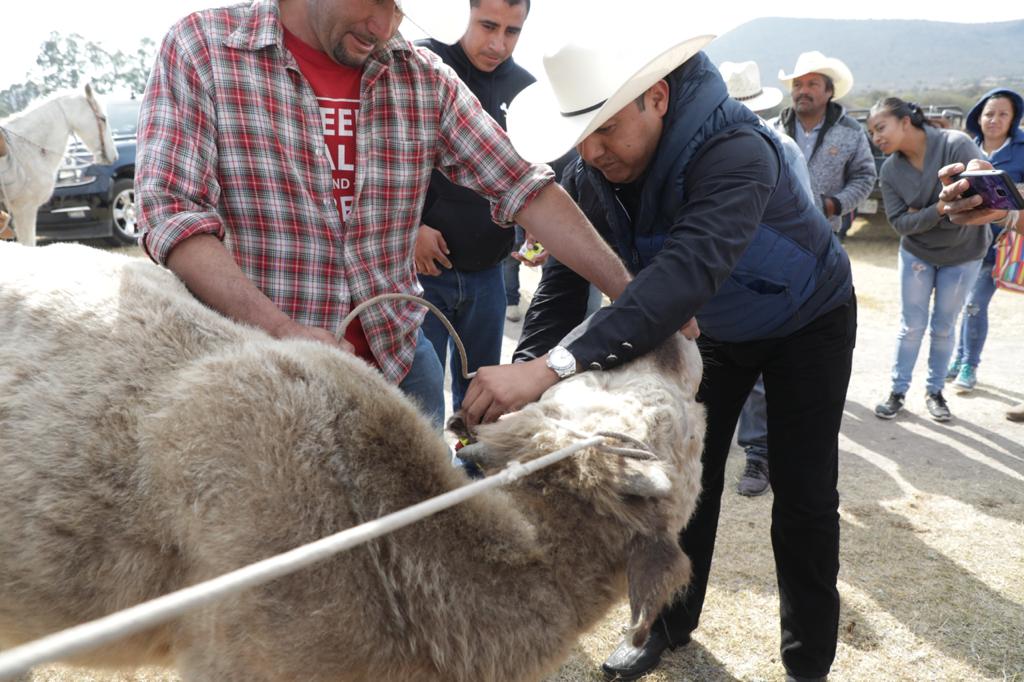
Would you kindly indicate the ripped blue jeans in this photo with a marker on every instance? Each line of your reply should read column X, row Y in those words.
column 918, row 279
column 974, row 325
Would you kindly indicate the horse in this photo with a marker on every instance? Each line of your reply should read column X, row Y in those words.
column 35, row 143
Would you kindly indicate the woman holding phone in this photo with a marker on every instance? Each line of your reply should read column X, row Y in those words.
column 969, row 210
column 935, row 255
column 994, row 122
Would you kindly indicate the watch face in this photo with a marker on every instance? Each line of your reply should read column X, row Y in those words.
column 562, row 361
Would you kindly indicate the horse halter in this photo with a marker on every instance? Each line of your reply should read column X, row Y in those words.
column 98, row 116
column 101, row 122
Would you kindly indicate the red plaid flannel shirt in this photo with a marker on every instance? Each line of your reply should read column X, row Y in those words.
column 230, row 144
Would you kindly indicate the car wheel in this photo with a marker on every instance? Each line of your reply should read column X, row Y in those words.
column 124, row 225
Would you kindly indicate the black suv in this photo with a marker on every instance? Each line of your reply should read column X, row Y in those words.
column 93, row 201
column 942, row 116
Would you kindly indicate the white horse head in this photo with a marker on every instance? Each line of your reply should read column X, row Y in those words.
column 88, row 119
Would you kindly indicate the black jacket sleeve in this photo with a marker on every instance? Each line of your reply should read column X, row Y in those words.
column 559, row 302
column 728, row 186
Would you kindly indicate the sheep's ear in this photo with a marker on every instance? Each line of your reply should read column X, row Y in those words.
column 657, row 570
column 644, row 478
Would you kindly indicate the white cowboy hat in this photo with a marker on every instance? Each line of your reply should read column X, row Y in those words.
column 585, row 85
column 444, row 20
column 816, row 62
column 743, row 80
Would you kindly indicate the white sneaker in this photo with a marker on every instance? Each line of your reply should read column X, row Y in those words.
column 513, row 313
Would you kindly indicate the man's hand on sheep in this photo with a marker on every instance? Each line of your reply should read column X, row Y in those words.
column 964, row 211
column 505, row 388
column 290, row 329
column 212, row 275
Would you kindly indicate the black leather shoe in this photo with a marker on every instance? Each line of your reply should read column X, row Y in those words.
column 628, row 662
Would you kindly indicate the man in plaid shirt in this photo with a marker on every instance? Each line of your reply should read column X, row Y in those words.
column 240, row 196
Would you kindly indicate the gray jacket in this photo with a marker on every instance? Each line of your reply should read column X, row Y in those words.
column 924, row 233
column 841, row 165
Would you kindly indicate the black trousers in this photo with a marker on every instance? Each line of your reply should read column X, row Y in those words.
column 806, row 376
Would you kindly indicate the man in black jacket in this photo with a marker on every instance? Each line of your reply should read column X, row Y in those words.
column 695, row 194
column 459, row 250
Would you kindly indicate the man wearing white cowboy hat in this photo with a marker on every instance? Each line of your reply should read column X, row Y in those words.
column 835, row 145
column 691, row 189
column 285, row 149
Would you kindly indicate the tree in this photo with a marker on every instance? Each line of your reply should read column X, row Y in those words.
column 138, row 65
column 71, row 61
column 64, row 59
column 17, row 97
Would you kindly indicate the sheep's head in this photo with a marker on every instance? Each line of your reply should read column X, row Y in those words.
column 647, row 485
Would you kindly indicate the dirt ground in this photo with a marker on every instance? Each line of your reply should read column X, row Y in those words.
column 932, row 577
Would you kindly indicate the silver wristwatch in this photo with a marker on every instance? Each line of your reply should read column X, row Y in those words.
column 561, row 362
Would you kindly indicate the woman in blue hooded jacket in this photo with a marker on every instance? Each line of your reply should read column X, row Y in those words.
column 994, row 122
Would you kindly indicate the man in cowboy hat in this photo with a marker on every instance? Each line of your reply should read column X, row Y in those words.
column 835, row 145
column 460, row 251
column 285, row 150
column 692, row 191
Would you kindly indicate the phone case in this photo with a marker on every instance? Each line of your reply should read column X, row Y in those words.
column 995, row 187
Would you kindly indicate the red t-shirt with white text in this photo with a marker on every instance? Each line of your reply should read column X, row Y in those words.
column 337, row 93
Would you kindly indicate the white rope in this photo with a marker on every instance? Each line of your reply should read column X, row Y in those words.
column 93, row 634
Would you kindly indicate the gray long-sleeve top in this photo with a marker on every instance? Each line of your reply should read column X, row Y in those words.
column 924, row 233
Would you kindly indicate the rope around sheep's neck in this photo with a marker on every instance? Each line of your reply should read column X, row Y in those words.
column 412, row 299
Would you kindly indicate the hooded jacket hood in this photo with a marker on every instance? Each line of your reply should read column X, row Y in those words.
column 973, row 126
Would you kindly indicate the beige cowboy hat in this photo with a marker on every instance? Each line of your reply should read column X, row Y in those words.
column 816, row 62
column 584, row 85
column 444, row 20
column 743, row 80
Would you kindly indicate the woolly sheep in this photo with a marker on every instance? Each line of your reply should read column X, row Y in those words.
column 148, row 443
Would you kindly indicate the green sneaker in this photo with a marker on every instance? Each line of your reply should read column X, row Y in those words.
column 966, row 379
column 953, row 371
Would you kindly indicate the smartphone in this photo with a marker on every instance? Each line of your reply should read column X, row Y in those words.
column 995, row 187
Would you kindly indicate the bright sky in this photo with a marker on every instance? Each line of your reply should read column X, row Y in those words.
column 120, row 24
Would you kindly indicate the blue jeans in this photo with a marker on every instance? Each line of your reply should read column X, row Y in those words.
column 974, row 325
column 474, row 302
column 510, row 270
column 918, row 278
column 425, row 381
column 752, row 433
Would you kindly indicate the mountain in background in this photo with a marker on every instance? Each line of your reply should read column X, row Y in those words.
column 884, row 55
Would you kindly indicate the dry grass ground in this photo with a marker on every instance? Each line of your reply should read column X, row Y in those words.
column 932, row 578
